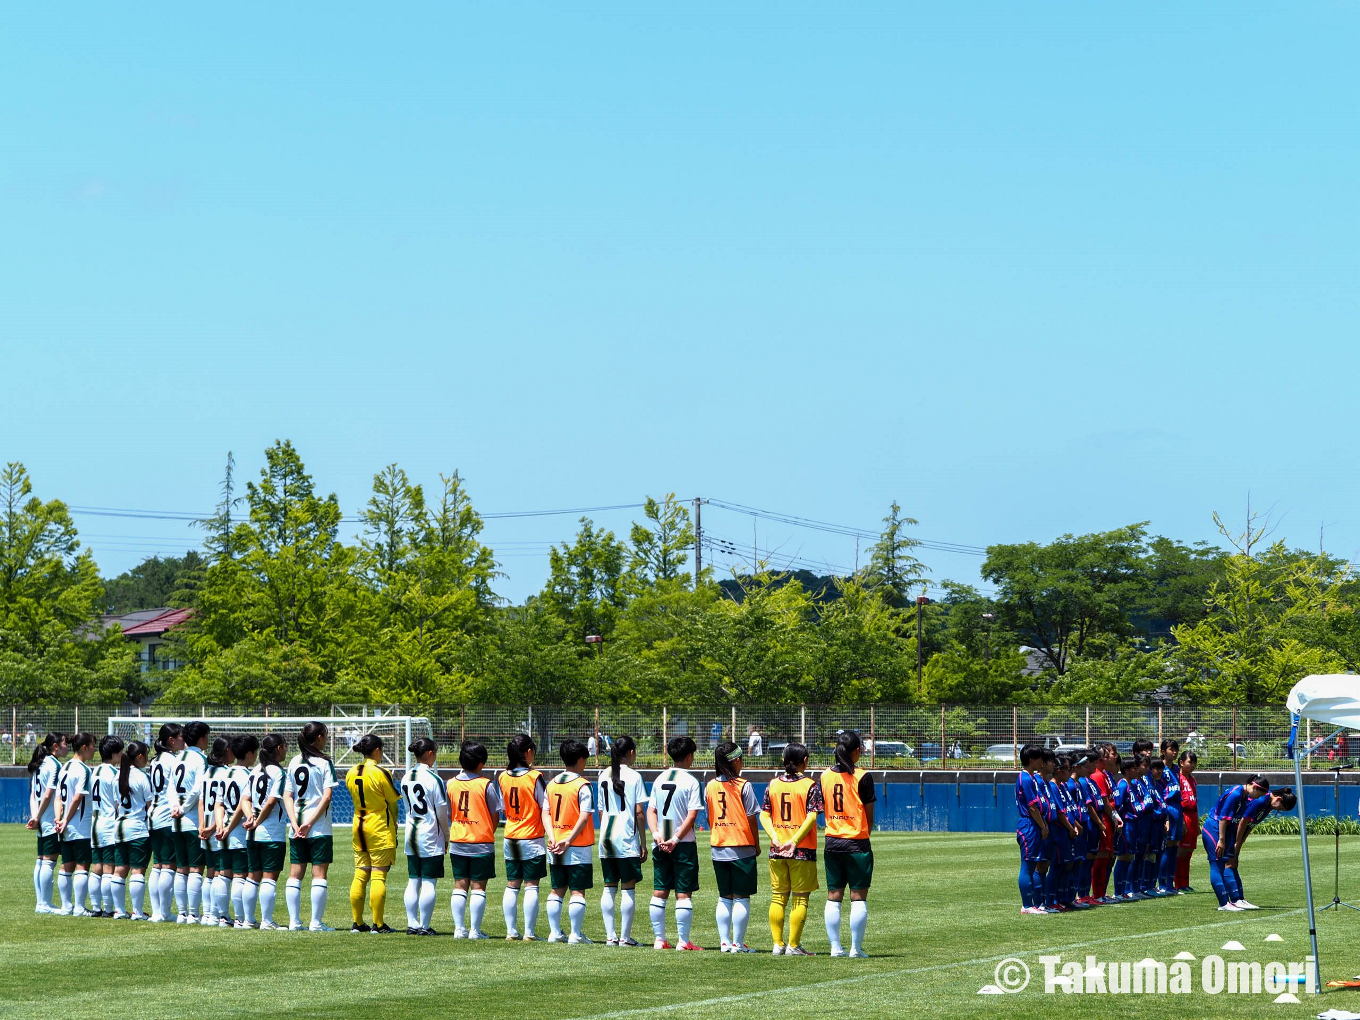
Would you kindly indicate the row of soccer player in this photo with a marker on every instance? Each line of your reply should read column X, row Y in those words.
column 1087, row 815
column 216, row 816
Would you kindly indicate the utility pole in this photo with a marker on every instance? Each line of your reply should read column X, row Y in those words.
column 698, row 542
column 921, row 603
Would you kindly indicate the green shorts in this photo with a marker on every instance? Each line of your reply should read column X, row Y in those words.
column 312, row 850
column 264, row 857
column 736, row 878
column 163, row 846
column 102, row 854
column 132, row 853
column 476, row 869
column 576, row 877
column 236, row 860
column 615, row 870
column 854, row 870
column 678, row 870
column 212, row 859
column 425, row 867
column 76, row 851
column 49, row 845
column 189, row 850
column 527, row 869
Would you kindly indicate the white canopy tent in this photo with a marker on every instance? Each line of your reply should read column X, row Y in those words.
column 1333, row 701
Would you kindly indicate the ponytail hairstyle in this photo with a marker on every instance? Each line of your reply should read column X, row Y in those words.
column 48, row 746
column 134, row 750
column 309, row 741
column 196, row 731
column 81, row 740
column 1288, row 801
column 168, row 732
column 618, row 751
column 723, row 756
column 221, row 746
column 109, row 746
column 244, row 744
column 271, row 749
column 472, row 755
column 420, row 747
column 795, row 754
column 1188, row 755
column 520, row 745
column 846, row 744
column 367, row 744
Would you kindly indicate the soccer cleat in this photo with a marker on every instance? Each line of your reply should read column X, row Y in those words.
column 359, row 928
column 689, row 947
column 1187, row 889
column 460, row 933
column 412, row 931
column 138, row 917
column 120, row 915
column 1031, row 910
column 1231, row 907
column 318, row 926
column 1244, row 905
column 777, row 951
column 611, row 942
column 159, row 920
column 797, row 951
column 224, row 922
column 477, row 934
column 629, row 942
column 741, row 948
column 382, row 929
column 43, row 908
column 1108, row 900
column 858, row 954
column 297, row 927
column 182, row 919
column 208, row 921
column 268, row 925
column 512, row 936
column 726, row 947
column 661, row 943
column 579, row 940
column 82, row 912
column 195, row 919
column 426, row 931
column 64, row 911
column 557, row 936
column 837, row 951
column 531, row 937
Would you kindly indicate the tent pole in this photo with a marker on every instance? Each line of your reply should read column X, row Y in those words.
column 1307, row 872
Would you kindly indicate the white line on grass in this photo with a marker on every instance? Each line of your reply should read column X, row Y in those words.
column 860, row 978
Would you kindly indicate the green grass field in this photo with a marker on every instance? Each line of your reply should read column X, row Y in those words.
column 944, row 912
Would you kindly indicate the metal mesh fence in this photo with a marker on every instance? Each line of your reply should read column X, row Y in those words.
column 896, row 736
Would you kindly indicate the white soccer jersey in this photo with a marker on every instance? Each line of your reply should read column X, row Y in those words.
column 163, row 799
column 676, row 793
column 134, row 808
column 618, row 813
column 190, row 765
column 210, row 796
column 266, row 781
column 307, row 780
column 104, row 804
column 235, row 787
column 42, row 780
column 427, row 812
column 73, row 781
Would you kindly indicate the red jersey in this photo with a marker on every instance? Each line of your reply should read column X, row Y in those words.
column 1189, row 796
column 1102, row 780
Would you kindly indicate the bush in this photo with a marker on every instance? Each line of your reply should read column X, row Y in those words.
column 1326, row 825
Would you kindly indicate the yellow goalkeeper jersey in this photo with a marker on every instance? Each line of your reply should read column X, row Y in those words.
column 375, row 806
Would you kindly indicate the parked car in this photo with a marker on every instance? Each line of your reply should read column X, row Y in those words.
column 1007, row 752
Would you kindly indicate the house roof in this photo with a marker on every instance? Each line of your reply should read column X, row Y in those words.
column 149, row 622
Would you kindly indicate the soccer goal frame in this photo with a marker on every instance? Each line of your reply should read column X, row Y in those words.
column 344, row 730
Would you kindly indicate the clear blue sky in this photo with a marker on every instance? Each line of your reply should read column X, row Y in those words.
column 1027, row 268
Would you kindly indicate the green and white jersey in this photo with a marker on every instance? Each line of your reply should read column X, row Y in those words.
column 43, row 780
column 210, row 795
column 618, row 813
column 74, row 781
column 235, row 787
column 676, row 793
column 162, row 776
column 427, row 812
column 190, row 765
column 307, row 780
column 104, row 804
column 266, row 781
column 134, row 809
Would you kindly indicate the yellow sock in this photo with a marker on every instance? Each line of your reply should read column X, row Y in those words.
column 377, row 898
column 777, row 901
column 797, row 918
column 358, row 892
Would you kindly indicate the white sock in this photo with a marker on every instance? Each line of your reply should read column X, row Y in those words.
column 319, row 892
column 530, row 909
column 238, row 907
column 269, row 890
column 476, row 909
column 181, row 888
column 37, row 881
column 724, row 915
column 193, row 884
column 292, row 894
column 458, row 907
column 103, row 891
column 859, row 920
column 117, row 894
column 741, row 914
column 64, row 889
column 412, row 901
column 510, row 909
column 45, row 876
column 80, row 885
column 832, row 916
column 554, row 914
column 250, row 894
column 657, row 910
column 607, row 910
column 221, row 895
column 163, row 892
column 137, row 892
column 111, row 902
column 629, row 910
column 684, row 918
column 429, row 894
column 576, row 913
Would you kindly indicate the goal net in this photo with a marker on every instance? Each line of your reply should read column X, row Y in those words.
column 396, row 731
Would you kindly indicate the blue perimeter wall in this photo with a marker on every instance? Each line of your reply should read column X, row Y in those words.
column 968, row 806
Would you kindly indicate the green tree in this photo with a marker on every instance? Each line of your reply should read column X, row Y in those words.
column 153, row 583
column 892, row 567
column 588, row 583
column 660, row 551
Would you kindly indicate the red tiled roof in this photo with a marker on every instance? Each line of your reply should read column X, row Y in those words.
column 158, row 624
